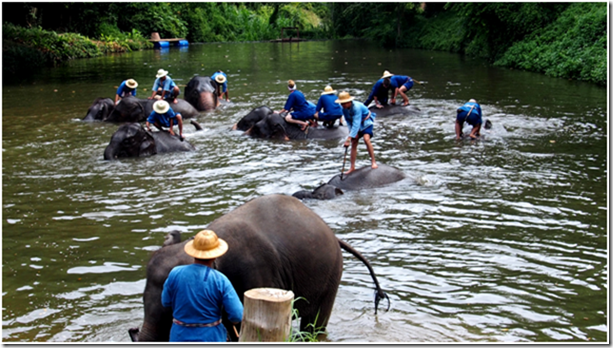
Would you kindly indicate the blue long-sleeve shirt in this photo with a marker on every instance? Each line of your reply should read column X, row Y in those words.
column 196, row 293
column 328, row 104
column 224, row 87
column 167, row 85
column 357, row 118
column 475, row 116
column 302, row 108
column 123, row 90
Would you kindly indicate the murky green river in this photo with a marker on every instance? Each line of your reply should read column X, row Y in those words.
column 501, row 240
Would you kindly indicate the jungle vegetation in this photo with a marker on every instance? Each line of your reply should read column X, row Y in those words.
column 566, row 40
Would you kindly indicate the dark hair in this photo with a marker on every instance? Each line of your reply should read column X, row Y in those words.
column 387, row 81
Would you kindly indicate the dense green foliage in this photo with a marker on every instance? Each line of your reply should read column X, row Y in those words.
column 559, row 39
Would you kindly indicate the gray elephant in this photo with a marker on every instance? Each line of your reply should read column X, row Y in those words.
column 274, row 241
column 200, row 93
column 132, row 109
column 262, row 122
column 132, row 140
column 361, row 178
column 392, row 110
column 100, row 110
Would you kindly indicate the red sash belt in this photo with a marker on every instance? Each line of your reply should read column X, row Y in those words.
column 178, row 322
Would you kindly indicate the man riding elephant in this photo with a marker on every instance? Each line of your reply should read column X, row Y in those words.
column 163, row 115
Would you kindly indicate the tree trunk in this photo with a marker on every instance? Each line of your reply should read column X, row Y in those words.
column 267, row 316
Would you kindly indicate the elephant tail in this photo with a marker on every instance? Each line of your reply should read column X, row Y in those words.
column 379, row 293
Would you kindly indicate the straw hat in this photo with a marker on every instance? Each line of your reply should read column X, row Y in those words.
column 291, row 85
column 131, row 83
column 161, row 106
column 344, row 97
column 328, row 90
column 220, row 78
column 206, row 246
column 387, row 74
column 161, row 73
column 472, row 101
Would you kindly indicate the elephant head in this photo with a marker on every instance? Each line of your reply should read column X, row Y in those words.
column 100, row 110
column 272, row 126
column 130, row 140
column 200, row 92
column 322, row 192
column 129, row 109
column 253, row 117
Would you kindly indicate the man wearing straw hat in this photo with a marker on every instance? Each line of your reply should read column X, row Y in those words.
column 360, row 122
column 127, row 87
column 221, row 79
column 197, row 293
column 163, row 115
column 332, row 111
column 380, row 91
column 470, row 113
column 169, row 88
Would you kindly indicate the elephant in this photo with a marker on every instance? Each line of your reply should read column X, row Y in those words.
column 132, row 140
column 392, row 110
column 262, row 122
column 200, row 92
column 132, row 109
column 100, row 110
column 173, row 237
column 362, row 178
column 274, row 241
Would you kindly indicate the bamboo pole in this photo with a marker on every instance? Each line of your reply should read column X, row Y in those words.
column 267, row 315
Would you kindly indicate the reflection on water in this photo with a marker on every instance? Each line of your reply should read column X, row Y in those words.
column 499, row 240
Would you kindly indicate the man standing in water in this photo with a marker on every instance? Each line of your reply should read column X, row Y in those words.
column 470, row 113
column 360, row 122
column 197, row 293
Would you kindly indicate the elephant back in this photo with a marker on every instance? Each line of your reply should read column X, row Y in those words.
column 366, row 177
column 164, row 142
column 129, row 109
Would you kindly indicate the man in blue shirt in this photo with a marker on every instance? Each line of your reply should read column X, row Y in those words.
column 470, row 113
column 380, row 91
column 127, row 87
column 332, row 111
column 401, row 84
column 197, row 293
column 360, row 122
column 170, row 90
column 163, row 115
column 303, row 110
column 222, row 84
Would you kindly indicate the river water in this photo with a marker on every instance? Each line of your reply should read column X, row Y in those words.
column 500, row 240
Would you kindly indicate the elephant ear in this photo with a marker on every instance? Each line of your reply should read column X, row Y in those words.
column 338, row 191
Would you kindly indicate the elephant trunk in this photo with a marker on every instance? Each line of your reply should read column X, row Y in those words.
column 207, row 101
column 110, row 153
column 146, row 334
column 303, row 194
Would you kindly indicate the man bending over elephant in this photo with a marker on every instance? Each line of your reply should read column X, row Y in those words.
column 470, row 113
column 303, row 110
column 197, row 292
column 360, row 122
column 332, row 111
column 401, row 84
column 170, row 90
column 163, row 115
column 380, row 91
column 128, row 87
column 222, row 84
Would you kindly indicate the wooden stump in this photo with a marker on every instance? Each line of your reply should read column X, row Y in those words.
column 155, row 36
column 267, row 316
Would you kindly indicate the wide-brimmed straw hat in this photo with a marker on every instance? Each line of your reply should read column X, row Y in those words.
column 161, row 73
column 161, row 106
column 344, row 97
column 387, row 74
column 131, row 83
column 472, row 101
column 328, row 90
column 206, row 245
column 220, row 78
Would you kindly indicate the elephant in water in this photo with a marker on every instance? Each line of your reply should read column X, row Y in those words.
column 262, row 122
column 361, row 178
column 100, row 110
column 132, row 109
column 274, row 241
column 132, row 140
column 391, row 110
column 200, row 92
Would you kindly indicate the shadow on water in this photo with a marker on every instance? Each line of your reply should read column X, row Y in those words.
column 499, row 240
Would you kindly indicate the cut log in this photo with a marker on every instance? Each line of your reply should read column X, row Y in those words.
column 267, row 315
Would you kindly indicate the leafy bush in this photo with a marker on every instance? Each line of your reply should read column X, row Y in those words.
column 574, row 46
